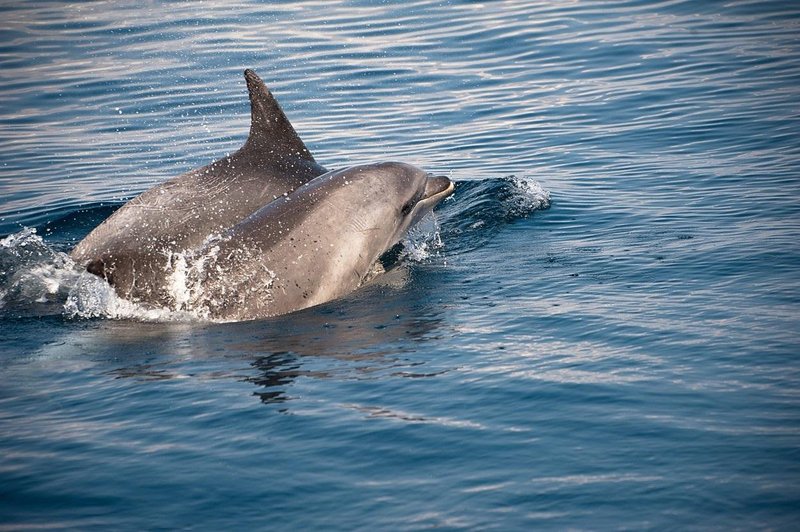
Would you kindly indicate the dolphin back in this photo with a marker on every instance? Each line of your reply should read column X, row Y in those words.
column 130, row 249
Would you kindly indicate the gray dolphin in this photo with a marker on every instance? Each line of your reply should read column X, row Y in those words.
column 316, row 244
column 131, row 248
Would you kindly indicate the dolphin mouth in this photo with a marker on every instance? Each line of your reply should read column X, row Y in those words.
column 437, row 188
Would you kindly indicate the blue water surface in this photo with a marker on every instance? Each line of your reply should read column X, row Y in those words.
column 626, row 358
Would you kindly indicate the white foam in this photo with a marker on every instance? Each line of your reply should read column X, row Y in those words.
column 32, row 272
column 423, row 239
column 92, row 297
column 18, row 240
column 36, row 279
column 529, row 195
column 178, row 280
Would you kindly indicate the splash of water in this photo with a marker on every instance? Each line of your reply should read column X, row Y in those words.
column 33, row 274
column 36, row 279
column 423, row 241
column 527, row 196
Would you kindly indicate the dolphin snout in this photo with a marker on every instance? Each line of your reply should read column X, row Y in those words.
column 438, row 186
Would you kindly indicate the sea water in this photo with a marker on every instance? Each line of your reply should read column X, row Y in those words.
column 599, row 329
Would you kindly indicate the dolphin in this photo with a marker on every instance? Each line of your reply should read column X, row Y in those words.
column 316, row 244
column 131, row 248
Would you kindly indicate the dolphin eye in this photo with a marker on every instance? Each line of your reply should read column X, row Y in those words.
column 407, row 207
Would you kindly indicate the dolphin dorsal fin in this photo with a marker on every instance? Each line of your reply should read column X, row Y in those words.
column 270, row 131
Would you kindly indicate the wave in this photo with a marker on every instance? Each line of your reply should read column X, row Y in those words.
column 38, row 278
column 479, row 209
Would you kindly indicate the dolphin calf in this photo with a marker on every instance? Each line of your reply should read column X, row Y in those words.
column 316, row 244
column 130, row 248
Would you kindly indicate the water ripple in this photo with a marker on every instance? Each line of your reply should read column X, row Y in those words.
column 623, row 359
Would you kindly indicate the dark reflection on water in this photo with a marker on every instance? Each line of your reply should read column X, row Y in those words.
column 364, row 344
column 275, row 371
column 355, row 338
